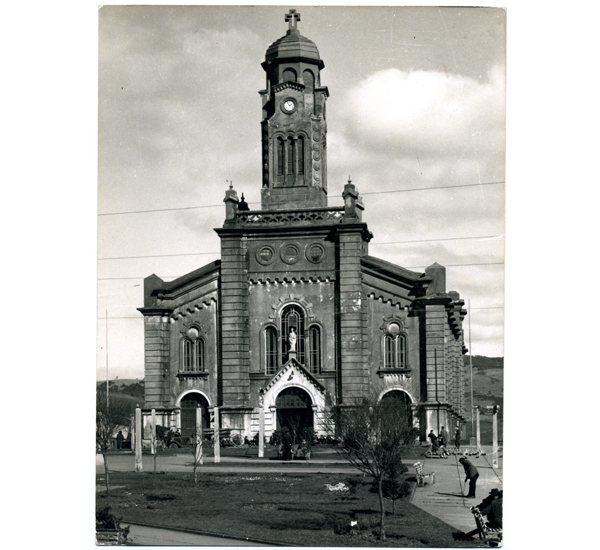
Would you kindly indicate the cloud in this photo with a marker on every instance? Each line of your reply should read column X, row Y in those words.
column 427, row 112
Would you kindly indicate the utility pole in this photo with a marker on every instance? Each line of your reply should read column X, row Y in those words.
column 471, row 369
column 106, row 346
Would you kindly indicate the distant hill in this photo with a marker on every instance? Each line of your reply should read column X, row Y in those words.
column 127, row 387
column 488, row 390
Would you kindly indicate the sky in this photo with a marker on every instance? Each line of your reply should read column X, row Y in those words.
column 416, row 117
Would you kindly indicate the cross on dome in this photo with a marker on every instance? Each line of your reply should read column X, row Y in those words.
column 292, row 18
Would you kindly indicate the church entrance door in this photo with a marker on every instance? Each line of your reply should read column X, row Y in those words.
column 294, row 411
column 189, row 404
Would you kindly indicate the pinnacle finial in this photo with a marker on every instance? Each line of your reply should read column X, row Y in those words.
column 230, row 182
column 349, row 179
column 292, row 18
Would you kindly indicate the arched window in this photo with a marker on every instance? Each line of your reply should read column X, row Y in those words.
column 292, row 317
column 314, row 349
column 192, row 355
column 309, row 80
column 187, row 355
column 394, row 351
column 270, row 350
column 290, row 156
column 280, row 156
column 289, row 75
column 300, row 147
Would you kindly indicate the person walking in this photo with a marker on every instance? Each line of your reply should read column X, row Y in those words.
column 471, row 475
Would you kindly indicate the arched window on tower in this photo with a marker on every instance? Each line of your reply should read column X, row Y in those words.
column 300, row 147
column 309, row 80
column 314, row 349
column 280, row 156
column 292, row 317
column 290, row 156
column 270, row 350
column 289, row 75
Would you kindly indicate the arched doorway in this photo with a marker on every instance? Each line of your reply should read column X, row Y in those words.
column 400, row 402
column 294, row 410
column 189, row 403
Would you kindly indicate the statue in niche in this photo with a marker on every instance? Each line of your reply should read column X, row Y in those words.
column 292, row 339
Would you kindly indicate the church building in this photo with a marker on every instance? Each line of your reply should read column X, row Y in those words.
column 297, row 315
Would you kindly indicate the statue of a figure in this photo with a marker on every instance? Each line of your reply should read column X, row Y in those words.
column 292, row 339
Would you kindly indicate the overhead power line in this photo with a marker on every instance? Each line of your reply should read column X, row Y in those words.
column 141, row 317
column 408, row 267
column 367, row 193
column 371, row 244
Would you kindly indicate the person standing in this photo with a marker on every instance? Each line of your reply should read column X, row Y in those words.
column 435, row 444
column 457, row 437
column 444, row 437
column 287, row 444
column 120, row 439
column 471, row 475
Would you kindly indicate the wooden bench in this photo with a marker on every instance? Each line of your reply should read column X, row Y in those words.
column 492, row 536
column 422, row 476
column 300, row 452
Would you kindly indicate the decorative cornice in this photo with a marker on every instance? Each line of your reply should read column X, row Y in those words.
column 189, row 309
column 264, row 279
column 285, row 85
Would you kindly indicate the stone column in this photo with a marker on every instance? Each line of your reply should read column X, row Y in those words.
column 199, row 456
column 153, row 433
column 138, row 439
column 495, row 436
column 217, row 436
column 477, row 427
column 261, row 433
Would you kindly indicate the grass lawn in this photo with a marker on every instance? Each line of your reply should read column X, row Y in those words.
column 293, row 509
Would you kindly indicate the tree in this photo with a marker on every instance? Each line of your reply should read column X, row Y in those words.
column 394, row 485
column 111, row 415
column 372, row 433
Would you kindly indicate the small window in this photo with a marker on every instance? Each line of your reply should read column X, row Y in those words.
column 280, row 156
column 300, row 148
column 290, row 156
column 314, row 342
column 271, row 350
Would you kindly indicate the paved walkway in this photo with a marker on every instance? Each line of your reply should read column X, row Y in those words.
column 444, row 499
column 140, row 535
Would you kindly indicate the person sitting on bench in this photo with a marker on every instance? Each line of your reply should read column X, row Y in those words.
column 491, row 507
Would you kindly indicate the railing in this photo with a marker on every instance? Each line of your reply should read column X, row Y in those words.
column 272, row 217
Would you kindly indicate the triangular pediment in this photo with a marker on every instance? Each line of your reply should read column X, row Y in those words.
column 293, row 371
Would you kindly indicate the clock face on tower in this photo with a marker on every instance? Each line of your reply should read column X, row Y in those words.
column 288, row 105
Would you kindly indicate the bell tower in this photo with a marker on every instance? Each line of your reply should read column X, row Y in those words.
column 294, row 127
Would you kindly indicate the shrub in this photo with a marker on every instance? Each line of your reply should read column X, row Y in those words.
column 105, row 519
column 341, row 526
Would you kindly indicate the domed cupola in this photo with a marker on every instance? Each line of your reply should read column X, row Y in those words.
column 294, row 127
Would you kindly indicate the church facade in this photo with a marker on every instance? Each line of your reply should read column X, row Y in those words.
column 297, row 315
